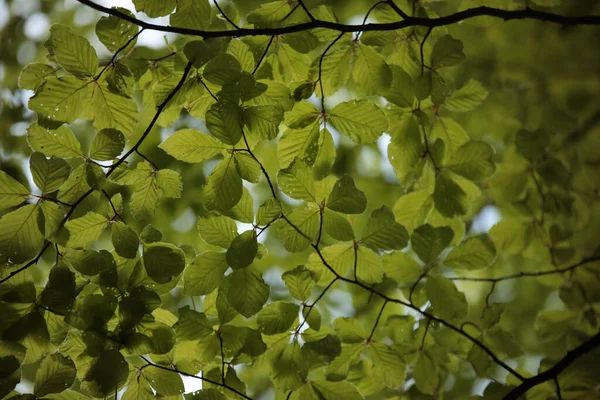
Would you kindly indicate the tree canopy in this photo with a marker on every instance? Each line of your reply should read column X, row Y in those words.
column 291, row 199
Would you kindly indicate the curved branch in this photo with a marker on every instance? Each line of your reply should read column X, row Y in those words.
column 529, row 274
column 553, row 372
column 506, row 15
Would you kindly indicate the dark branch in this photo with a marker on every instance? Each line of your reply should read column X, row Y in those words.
column 530, row 274
column 506, row 15
column 553, row 372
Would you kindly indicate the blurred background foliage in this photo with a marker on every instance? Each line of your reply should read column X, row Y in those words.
column 541, row 77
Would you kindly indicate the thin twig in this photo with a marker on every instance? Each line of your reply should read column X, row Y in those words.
column 312, row 18
column 225, row 15
column 377, row 321
column 202, row 378
column 530, row 274
column 264, row 54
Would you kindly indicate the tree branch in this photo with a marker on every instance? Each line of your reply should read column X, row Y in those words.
column 530, row 274
column 506, row 15
column 553, row 372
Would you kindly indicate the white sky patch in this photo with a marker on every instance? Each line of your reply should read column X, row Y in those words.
column 487, row 217
column 386, row 167
column 185, row 221
column 191, row 384
column 37, row 26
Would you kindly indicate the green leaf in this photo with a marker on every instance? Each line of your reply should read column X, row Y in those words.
column 270, row 14
column 277, row 317
column 306, row 220
column 340, row 257
column 60, row 290
column 338, row 369
column 53, row 143
column 401, row 91
column 297, row 181
column 224, row 121
column 107, row 145
column 449, row 198
column 136, row 306
column 313, row 318
column 263, row 121
column 250, row 291
column 19, row 289
column 54, row 375
column 335, row 69
column 412, row 209
column 205, row 394
column 426, row 373
column 113, row 110
column 115, row 32
column 337, row 226
column 467, row 98
column 323, row 351
column 242, row 53
column 12, row 193
column 48, row 174
column 383, row 232
column 349, row 330
column 447, row 52
column 224, row 186
column 30, row 331
column 473, row 160
column 61, row 99
column 300, row 283
column 91, row 311
column 125, row 240
column 75, row 186
column 222, row 69
column 167, row 383
column 370, row 72
column 192, row 14
column 268, row 212
column 199, row 52
column 450, row 132
column 448, row 303
column 474, row 253
column 74, row 53
column 217, row 230
column 155, row 9
column 83, row 231
column 299, row 143
column 360, row 120
column 243, row 211
column 204, row 274
column 346, row 198
column 107, row 374
column 247, row 167
column 138, row 389
column 429, row 242
column 163, row 261
column 402, row 268
column 34, row 75
column 406, row 148
column 242, row 250
column 289, row 367
column 368, row 265
column 192, row 325
column 388, row 365
column 192, row 146
column 21, row 235
column 302, row 115
column 336, row 390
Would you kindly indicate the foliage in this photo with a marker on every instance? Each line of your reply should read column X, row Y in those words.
column 281, row 202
